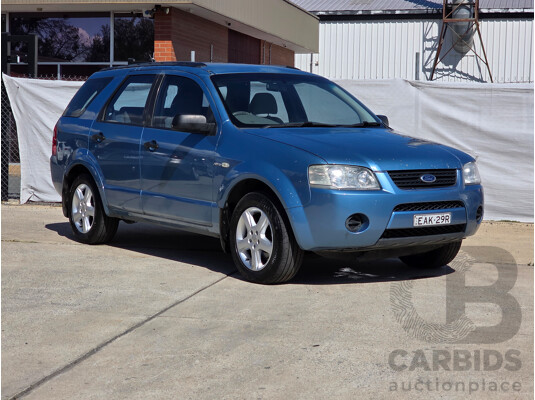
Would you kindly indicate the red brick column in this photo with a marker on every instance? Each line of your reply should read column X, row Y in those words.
column 163, row 36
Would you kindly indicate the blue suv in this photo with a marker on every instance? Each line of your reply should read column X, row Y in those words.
column 272, row 160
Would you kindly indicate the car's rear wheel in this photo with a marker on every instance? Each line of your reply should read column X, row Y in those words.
column 434, row 258
column 88, row 221
column 262, row 244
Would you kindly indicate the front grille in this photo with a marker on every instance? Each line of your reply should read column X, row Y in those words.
column 436, row 205
column 411, row 179
column 423, row 231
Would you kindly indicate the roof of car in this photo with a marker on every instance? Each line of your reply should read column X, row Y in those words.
column 209, row 68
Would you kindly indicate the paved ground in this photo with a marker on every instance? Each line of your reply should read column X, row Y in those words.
column 13, row 187
column 14, row 181
column 160, row 314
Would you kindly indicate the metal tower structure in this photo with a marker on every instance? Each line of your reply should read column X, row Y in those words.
column 461, row 17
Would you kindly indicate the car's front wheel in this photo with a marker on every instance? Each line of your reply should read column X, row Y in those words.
column 88, row 221
column 262, row 245
column 434, row 258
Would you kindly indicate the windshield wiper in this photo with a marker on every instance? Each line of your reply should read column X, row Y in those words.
column 363, row 124
column 304, row 124
column 313, row 124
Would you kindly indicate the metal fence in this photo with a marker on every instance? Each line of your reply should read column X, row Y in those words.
column 9, row 147
column 10, row 151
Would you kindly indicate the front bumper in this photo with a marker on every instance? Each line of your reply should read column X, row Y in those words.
column 321, row 224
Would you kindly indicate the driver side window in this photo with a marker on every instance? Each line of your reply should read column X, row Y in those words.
column 179, row 97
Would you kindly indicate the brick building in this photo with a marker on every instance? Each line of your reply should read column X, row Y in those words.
column 79, row 37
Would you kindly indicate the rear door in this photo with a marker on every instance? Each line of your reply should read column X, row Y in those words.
column 177, row 164
column 115, row 142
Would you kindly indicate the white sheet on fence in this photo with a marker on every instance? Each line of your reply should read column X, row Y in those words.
column 37, row 105
column 493, row 122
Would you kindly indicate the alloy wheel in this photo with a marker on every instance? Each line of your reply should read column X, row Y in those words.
column 83, row 208
column 254, row 239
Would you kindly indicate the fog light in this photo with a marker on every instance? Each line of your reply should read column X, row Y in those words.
column 357, row 223
column 479, row 214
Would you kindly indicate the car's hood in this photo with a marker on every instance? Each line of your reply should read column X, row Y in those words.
column 377, row 148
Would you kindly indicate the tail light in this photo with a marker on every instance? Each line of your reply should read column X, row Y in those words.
column 55, row 141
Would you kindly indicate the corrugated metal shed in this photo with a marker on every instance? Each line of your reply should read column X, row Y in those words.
column 417, row 6
column 378, row 44
column 406, row 49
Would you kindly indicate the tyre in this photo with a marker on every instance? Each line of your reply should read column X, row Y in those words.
column 88, row 221
column 434, row 258
column 262, row 244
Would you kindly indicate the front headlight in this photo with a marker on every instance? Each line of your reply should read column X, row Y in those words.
column 471, row 174
column 342, row 177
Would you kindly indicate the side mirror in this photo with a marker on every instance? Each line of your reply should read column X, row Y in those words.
column 384, row 120
column 193, row 123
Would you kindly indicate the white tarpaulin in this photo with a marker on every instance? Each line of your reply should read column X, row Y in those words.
column 37, row 105
column 493, row 122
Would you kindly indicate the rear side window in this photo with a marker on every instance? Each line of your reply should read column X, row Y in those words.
column 128, row 104
column 85, row 96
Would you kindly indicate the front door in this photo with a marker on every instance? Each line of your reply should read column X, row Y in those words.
column 177, row 164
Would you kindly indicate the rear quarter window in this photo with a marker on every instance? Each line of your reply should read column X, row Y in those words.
column 85, row 96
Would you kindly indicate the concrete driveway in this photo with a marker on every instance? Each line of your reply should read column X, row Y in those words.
column 162, row 314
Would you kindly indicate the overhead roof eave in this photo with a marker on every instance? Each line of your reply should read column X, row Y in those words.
column 277, row 21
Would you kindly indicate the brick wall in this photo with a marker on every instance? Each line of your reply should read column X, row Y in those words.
column 178, row 33
column 282, row 56
column 163, row 43
column 243, row 48
column 279, row 55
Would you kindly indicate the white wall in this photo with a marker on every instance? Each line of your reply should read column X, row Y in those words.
column 388, row 49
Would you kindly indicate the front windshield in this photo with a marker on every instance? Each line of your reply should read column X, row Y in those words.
column 291, row 100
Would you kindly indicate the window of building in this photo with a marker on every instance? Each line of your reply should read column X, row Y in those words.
column 82, row 43
column 77, row 37
column 134, row 37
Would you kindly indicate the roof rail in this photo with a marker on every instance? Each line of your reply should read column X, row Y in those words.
column 160, row 64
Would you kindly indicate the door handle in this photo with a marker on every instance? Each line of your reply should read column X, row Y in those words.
column 98, row 137
column 151, row 146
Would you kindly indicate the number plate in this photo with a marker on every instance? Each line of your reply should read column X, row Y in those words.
column 432, row 219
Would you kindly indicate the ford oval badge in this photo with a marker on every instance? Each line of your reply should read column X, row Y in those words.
column 428, row 178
